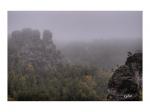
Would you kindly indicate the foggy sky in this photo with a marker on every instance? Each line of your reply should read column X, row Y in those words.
column 80, row 25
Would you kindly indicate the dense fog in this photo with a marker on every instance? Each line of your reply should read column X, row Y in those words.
column 74, row 55
column 92, row 37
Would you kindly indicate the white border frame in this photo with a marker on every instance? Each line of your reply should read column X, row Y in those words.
column 77, row 5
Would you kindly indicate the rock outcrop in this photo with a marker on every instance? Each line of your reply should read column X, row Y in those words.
column 28, row 51
column 126, row 82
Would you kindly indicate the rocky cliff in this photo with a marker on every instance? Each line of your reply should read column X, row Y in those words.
column 126, row 81
column 28, row 51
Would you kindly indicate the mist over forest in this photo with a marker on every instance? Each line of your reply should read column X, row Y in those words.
column 90, row 37
column 103, row 53
column 68, row 55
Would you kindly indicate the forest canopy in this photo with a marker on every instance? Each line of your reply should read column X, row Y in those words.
column 37, row 71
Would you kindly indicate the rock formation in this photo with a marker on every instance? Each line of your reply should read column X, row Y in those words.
column 126, row 82
column 27, row 50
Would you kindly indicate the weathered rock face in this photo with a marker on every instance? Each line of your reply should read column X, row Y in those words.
column 27, row 50
column 126, row 82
